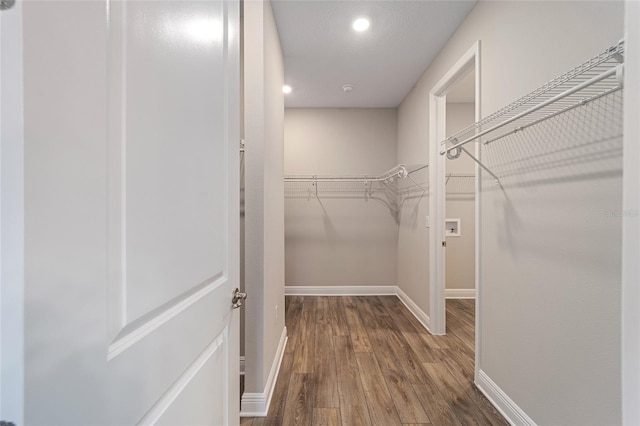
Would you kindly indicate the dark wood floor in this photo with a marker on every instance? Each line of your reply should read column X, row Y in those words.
column 368, row 361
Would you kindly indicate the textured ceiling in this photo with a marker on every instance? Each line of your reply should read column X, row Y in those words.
column 323, row 53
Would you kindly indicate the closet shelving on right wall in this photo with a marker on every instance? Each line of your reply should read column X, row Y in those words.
column 573, row 119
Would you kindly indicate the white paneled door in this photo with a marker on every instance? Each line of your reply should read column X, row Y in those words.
column 131, row 113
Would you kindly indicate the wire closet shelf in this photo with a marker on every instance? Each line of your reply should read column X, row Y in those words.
column 400, row 171
column 598, row 77
column 351, row 183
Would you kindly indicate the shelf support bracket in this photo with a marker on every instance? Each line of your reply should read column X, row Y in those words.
column 479, row 163
column 315, row 184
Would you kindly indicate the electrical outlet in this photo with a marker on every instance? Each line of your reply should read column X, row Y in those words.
column 428, row 222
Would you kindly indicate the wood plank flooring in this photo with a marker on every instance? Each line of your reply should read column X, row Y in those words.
column 368, row 361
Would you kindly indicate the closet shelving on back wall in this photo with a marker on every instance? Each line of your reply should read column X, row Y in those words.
column 573, row 120
column 460, row 183
column 352, row 186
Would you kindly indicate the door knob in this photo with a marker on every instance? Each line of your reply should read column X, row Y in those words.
column 238, row 298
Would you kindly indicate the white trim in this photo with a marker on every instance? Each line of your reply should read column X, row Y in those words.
column 376, row 290
column 437, row 210
column 457, row 230
column 507, row 407
column 437, row 309
column 414, row 309
column 12, row 361
column 631, row 222
column 460, row 293
column 253, row 405
column 478, row 216
column 243, row 362
column 257, row 404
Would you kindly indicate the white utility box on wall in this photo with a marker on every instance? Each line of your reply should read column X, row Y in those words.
column 452, row 227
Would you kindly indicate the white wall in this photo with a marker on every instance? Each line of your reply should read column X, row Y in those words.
column 413, row 236
column 11, row 217
column 343, row 237
column 460, row 203
column 264, row 193
column 550, row 336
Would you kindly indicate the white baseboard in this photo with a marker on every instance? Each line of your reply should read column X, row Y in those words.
column 414, row 309
column 242, row 364
column 502, row 402
column 257, row 404
column 460, row 293
column 376, row 290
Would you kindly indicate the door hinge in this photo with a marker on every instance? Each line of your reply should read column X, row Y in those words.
column 444, row 244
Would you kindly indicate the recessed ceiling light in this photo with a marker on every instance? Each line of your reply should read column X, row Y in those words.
column 361, row 24
column 286, row 89
column 347, row 88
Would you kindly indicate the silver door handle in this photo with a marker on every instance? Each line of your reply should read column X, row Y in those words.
column 238, row 298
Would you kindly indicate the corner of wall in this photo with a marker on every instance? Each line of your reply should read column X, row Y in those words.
column 505, row 405
column 264, row 209
column 414, row 309
column 256, row 404
column 253, row 53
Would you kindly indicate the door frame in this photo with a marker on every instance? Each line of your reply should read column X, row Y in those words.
column 437, row 195
column 11, row 217
column 630, row 221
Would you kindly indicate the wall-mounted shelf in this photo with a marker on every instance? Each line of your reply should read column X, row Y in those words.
column 460, row 184
column 592, row 80
column 353, row 183
column 400, row 171
column 456, row 176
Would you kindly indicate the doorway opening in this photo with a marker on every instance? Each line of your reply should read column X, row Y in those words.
column 454, row 202
column 460, row 225
column 460, row 196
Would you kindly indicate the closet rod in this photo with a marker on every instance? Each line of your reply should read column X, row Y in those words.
column 460, row 175
column 333, row 179
column 399, row 171
column 617, row 71
column 419, row 168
